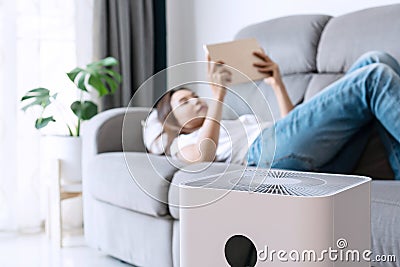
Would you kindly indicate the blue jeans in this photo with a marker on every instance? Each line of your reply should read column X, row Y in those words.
column 313, row 133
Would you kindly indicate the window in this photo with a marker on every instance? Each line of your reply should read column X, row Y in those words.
column 37, row 47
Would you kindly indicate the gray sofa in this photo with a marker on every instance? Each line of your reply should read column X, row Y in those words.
column 136, row 220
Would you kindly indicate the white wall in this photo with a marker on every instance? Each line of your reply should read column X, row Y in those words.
column 84, row 31
column 192, row 23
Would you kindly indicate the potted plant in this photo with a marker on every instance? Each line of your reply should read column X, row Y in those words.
column 96, row 76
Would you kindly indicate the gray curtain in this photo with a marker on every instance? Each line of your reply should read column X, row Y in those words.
column 124, row 29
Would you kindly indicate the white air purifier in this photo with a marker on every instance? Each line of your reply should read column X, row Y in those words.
column 275, row 218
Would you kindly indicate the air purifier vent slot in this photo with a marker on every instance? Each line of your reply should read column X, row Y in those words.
column 278, row 182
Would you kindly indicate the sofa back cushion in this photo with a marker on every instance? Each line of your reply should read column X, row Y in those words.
column 346, row 37
column 127, row 126
column 290, row 41
column 319, row 49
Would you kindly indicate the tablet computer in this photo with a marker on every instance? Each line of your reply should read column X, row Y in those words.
column 239, row 55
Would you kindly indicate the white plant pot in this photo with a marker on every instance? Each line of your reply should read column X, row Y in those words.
column 68, row 150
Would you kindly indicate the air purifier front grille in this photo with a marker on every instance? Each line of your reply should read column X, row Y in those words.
column 278, row 182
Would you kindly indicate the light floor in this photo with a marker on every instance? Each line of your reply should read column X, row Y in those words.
column 35, row 250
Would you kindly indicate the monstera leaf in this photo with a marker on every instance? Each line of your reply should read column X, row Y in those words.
column 37, row 97
column 42, row 122
column 84, row 110
column 98, row 76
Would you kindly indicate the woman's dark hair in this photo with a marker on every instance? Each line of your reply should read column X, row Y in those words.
column 164, row 110
column 167, row 118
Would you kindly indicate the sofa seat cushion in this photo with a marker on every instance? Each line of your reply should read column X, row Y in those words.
column 385, row 219
column 194, row 172
column 135, row 181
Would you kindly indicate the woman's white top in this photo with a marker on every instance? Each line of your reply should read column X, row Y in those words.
column 235, row 138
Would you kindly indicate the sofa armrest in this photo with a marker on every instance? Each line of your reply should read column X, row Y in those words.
column 114, row 130
column 133, row 180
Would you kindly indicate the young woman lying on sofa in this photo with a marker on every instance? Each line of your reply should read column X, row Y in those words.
column 306, row 137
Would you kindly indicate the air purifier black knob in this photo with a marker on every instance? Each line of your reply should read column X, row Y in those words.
column 240, row 251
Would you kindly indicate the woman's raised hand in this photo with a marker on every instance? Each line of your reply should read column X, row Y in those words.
column 219, row 76
column 268, row 67
column 271, row 69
